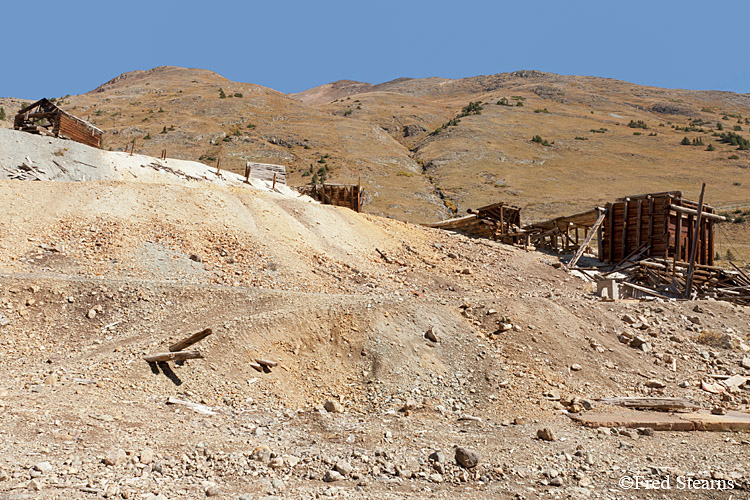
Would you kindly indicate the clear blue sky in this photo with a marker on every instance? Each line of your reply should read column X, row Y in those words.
column 57, row 48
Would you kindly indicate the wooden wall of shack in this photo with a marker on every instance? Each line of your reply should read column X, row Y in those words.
column 45, row 118
column 340, row 195
column 652, row 225
column 68, row 127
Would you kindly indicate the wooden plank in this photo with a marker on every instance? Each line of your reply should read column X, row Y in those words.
column 694, row 421
column 646, row 403
column 639, row 207
column 704, row 214
column 206, row 410
column 678, row 238
column 173, row 356
column 611, row 207
column 624, row 243
column 193, row 339
column 582, row 247
column 694, row 244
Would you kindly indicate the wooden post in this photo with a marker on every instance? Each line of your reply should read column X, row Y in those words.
column 650, row 223
column 132, row 147
column 611, row 235
column 625, row 215
column 639, row 206
column 678, row 238
column 273, row 186
column 694, row 245
column 218, row 166
column 173, row 356
column 247, row 172
column 587, row 241
column 359, row 191
column 599, row 241
column 193, row 339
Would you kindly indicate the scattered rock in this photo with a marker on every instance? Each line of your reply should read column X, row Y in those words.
column 343, row 467
column 43, row 467
column 147, row 456
column 655, row 384
column 546, row 434
column 261, row 454
column 116, row 457
column 332, row 406
column 466, row 458
column 213, row 491
column 91, row 314
column 432, row 334
column 437, row 457
column 745, row 363
column 332, row 476
column 576, row 367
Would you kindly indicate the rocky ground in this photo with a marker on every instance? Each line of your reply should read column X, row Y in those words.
column 409, row 362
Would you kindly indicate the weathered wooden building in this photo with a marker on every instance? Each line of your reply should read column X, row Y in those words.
column 266, row 172
column 657, row 225
column 341, row 195
column 45, row 118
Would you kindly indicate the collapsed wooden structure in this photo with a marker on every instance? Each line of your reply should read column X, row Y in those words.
column 657, row 244
column 565, row 234
column 265, row 172
column 340, row 195
column 45, row 118
column 657, row 225
column 499, row 222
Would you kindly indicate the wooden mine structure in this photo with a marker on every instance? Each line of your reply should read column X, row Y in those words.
column 657, row 225
column 266, row 172
column 340, row 195
column 45, row 118
column 567, row 233
column 498, row 221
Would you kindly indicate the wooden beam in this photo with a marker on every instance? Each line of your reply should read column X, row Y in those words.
column 678, row 238
column 611, row 236
column 585, row 244
column 659, row 404
column 694, row 244
column 639, row 206
column 193, row 339
column 705, row 215
column 173, row 356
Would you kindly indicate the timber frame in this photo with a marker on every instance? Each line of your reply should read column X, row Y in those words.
column 45, row 118
column 657, row 225
column 340, row 195
column 498, row 221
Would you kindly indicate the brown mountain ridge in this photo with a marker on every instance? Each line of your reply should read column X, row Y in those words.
column 426, row 149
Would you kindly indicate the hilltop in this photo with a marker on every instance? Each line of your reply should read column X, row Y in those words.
column 420, row 160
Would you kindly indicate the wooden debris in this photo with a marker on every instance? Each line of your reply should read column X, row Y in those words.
column 659, row 404
column 205, row 410
column 696, row 421
column 193, row 339
column 266, row 362
column 387, row 259
column 255, row 366
column 173, row 356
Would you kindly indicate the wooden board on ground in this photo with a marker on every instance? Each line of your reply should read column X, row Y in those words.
column 659, row 421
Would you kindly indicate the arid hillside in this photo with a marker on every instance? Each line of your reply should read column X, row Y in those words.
column 426, row 149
